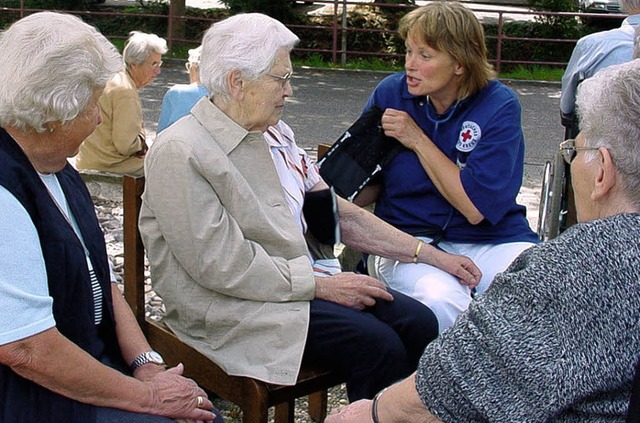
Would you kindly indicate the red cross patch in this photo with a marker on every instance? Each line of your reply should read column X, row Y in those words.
column 468, row 137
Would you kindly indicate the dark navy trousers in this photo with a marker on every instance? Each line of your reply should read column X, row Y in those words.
column 375, row 347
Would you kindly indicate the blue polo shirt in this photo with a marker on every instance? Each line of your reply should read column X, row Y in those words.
column 482, row 134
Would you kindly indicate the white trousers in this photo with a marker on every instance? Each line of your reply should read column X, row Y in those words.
column 440, row 291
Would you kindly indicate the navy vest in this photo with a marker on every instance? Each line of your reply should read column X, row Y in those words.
column 69, row 284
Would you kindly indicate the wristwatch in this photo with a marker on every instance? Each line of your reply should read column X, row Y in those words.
column 145, row 358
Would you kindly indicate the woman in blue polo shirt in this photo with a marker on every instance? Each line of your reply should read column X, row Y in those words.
column 455, row 184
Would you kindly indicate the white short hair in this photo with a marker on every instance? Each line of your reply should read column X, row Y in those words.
column 51, row 65
column 608, row 106
column 194, row 56
column 247, row 42
column 140, row 45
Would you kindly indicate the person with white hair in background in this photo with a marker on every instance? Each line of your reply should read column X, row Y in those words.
column 70, row 347
column 119, row 144
column 555, row 337
column 180, row 98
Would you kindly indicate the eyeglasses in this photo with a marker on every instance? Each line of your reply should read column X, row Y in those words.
column 283, row 79
column 155, row 65
column 570, row 151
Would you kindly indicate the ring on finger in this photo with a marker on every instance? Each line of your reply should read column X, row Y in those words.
column 200, row 402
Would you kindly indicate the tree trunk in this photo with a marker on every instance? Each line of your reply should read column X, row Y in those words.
column 177, row 28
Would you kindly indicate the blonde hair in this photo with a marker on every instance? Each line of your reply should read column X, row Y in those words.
column 452, row 28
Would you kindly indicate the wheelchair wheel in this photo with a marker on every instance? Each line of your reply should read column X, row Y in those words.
column 557, row 209
column 552, row 213
column 544, row 202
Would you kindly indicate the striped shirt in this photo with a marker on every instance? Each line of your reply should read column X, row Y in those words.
column 297, row 175
column 52, row 184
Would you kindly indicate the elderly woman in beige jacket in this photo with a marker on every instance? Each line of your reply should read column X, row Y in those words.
column 225, row 235
column 118, row 145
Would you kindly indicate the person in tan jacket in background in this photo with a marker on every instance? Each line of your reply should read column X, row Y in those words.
column 118, row 145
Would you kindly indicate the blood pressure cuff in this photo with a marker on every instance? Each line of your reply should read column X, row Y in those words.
column 358, row 155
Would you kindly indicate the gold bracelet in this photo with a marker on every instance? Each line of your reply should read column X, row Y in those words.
column 418, row 248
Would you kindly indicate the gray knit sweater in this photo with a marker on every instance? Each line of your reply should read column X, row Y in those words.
column 556, row 337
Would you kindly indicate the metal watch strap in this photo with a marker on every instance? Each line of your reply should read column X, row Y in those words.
column 145, row 358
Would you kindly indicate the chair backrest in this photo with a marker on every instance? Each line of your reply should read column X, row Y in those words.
column 132, row 188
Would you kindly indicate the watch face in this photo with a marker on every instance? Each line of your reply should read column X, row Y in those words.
column 154, row 357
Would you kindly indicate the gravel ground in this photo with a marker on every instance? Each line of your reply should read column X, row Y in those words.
column 110, row 217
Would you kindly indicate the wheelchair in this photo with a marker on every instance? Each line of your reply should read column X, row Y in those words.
column 557, row 208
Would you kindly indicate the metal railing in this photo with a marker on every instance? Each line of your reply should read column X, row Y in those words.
column 338, row 30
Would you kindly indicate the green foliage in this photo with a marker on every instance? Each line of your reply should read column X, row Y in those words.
column 119, row 26
column 317, row 60
column 554, row 5
column 557, row 26
column 8, row 17
column 530, row 50
column 47, row 4
column 278, row 9
column 200, row 20
column 360, row 17
column 57, row 4
column 534, row 73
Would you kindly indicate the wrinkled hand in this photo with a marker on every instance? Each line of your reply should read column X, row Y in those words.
column 148, row 371
column 401, row 126
column 351, row 290
column 357, row 412
column 461, row 267
column 173, row 395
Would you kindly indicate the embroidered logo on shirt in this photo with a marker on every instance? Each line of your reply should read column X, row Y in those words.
column 469, row 136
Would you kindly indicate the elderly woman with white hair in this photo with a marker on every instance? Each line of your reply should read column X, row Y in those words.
column 555, row 338
column 180, row 98
column 70, row 348
column 223, row 225
column 119, row 144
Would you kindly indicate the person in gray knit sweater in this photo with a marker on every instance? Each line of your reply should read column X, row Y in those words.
column 555, row 338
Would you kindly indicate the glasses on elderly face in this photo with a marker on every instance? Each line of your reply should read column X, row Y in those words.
column 282, row 79
column 155, row 65
column 570, row 151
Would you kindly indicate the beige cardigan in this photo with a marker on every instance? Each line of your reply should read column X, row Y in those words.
column 121, row 134
column 226, row 254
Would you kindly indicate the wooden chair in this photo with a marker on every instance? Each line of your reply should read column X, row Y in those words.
column 254, row 397
column 322, row 150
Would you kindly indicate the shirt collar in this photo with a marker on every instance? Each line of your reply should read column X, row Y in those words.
column 632, row 20
column 221, row 127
